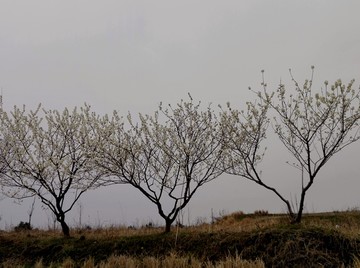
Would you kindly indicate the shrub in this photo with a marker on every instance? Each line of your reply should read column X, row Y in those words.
column 261, row 213
column 23, row 226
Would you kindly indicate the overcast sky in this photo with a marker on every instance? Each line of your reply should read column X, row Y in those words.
column 130, row 55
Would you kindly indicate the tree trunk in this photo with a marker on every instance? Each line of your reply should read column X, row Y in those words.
column 298, row 217
column 301, row 208
column 65, row 228
column 302, row 200
column 168, row 223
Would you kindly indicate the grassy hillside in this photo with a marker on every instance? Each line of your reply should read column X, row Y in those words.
column 323, row 239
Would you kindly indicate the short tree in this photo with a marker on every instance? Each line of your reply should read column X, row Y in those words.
column 313, row 126
column 167, row 156
column 48, row 155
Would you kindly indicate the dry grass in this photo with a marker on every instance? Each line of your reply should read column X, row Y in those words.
column 237, row 222
column 117, row 231
column 171, row 261
column 230, row 223
column 348, row 223
column 260, row 230
column 356, row 263
column 98, row 233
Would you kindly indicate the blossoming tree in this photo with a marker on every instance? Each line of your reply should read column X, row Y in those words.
column 312, row 125
column 244, row 131
column 47, row 154
column 167, row 156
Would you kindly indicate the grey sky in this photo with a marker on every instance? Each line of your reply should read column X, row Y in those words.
column 130, row 55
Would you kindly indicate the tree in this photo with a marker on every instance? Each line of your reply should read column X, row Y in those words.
column 48, row 154
column 312, row 126
column 167, row 156
column 243, row 133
